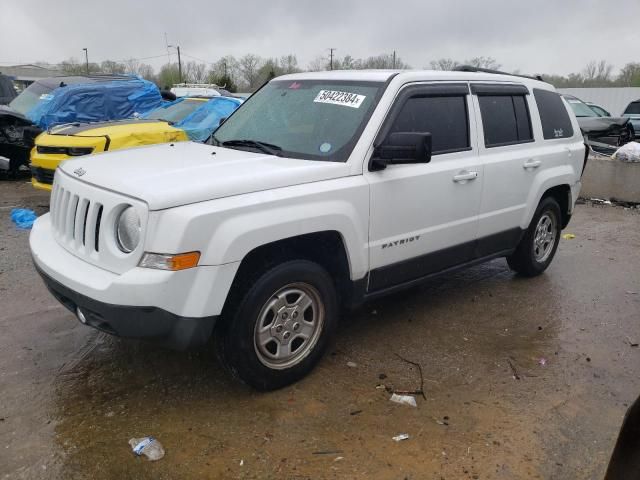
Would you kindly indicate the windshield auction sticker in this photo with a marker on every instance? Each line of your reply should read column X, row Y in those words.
column 334, row 97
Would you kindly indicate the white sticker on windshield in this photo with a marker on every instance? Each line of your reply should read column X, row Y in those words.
column 334, row 97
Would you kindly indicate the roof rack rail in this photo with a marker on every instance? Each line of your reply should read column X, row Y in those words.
column 470, row 68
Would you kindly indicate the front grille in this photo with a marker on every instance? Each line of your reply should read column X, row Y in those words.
column 83, row 220
column 43, row 175
column 76, row 220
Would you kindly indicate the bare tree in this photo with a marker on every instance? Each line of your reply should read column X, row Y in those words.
column 132, row 66
column 249, row 66
column 597, row 73
column 629, row 75
column 444, row 64
column 318, row 64
column 289, row 64
column 71, row 66
column 483, row 62
column 109, row 66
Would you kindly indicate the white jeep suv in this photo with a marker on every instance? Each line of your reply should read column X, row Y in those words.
column 322, row 191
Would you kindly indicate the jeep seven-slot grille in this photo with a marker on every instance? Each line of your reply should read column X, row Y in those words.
column 76, row 220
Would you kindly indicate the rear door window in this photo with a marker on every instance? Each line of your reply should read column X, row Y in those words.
column 553, row 115
column 445, row 117
column 505, row 119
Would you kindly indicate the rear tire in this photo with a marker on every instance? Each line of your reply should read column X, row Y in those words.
column 538, row 246
column 280, row 325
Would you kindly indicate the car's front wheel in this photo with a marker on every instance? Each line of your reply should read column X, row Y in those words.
column 279, row 328
column 540, row 242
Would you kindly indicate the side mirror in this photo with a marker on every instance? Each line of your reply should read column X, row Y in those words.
column 402, row 147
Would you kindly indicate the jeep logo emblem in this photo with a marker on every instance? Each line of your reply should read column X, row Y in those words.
column 80, row 171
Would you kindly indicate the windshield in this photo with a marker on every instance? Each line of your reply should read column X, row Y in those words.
column 308, row 119
column 175, row 111
column 633, row 108
column 29, row 97
column 581, row 109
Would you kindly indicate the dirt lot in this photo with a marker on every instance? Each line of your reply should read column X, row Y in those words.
column 71, row 398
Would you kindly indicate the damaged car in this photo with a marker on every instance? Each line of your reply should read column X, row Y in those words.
column 603, row 134
column 63, row 100
column 632, row 112
column 187, row 118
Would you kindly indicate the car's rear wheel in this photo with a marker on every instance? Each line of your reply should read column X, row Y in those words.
column 540, row 242
column 278, row 329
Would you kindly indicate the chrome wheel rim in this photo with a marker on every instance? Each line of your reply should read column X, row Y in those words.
column 545, row 237
column 288, row 326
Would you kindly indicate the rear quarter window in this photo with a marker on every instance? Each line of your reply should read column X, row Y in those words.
column 554, row 117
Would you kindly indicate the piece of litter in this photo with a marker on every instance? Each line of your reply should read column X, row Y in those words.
column 568, row 236
column 147, row 446
column 337, row 459
column 326, row 452
column 633, row 343
column 23, row 217
column 352, row 364
column 401, row 437
column 241, row 463
column 630, row 292
column 542, row 361
column 404, row 399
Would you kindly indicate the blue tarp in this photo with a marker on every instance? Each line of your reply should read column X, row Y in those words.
column 23, row 217
column 95, row 102
column 201, row 123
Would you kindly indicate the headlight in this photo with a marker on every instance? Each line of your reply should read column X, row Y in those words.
column 79, row 151
column 128, row 230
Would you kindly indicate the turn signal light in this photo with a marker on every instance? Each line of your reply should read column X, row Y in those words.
column 163, row 261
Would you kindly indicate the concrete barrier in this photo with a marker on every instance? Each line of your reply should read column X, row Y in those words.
column 611, row 179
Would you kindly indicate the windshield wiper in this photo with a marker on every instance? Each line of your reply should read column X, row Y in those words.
column 165, row 120
column 264, row 147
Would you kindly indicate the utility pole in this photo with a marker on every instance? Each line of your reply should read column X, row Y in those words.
column 177, row 47
column 331, row 50
column 394, row 59
column 86, row 58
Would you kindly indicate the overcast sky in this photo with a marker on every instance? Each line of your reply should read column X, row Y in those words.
column 535, row 36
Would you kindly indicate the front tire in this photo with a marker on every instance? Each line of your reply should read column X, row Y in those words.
column 280, row 326
column 538, row 246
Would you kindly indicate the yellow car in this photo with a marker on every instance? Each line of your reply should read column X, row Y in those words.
column 163, row 125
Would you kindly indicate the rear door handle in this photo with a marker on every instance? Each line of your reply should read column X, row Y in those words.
column 465, row 176
column 531, row 163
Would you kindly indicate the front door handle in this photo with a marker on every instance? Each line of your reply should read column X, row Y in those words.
column 465, row 176
column 531, row 163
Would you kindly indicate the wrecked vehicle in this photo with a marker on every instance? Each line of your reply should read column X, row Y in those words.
column 185, row 119
column 632, row 112
column 603, row 134
column 59, row 100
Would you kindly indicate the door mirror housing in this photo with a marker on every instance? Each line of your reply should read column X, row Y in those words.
column 400, row 148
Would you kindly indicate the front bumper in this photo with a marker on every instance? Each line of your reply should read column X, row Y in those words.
column 179, row 308
column 133, row 322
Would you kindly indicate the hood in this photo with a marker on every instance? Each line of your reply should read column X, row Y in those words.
column 171, row 175
column 602, row 125
column 117, row 135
